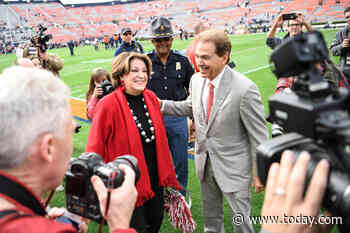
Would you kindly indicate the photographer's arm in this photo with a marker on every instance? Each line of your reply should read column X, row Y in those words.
column 91, row 106
column 278, row 22
column 303, row 21
column 271, row 40
column 285, row 189
column 122, row 201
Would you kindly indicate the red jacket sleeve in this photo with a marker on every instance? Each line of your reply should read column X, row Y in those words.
column 100, row 128
column 91, row 107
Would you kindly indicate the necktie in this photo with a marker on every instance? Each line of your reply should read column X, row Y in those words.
column 210, row 100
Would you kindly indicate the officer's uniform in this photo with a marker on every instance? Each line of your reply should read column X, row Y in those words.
column 171, row 82
column 135, row 46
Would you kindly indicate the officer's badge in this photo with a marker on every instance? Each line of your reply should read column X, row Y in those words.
column 162, row 27
column 178, row 66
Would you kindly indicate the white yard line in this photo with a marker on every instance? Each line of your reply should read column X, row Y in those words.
column 256, row 69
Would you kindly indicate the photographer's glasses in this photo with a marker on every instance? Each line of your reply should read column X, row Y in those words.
column 166, row 39
column 295, row 24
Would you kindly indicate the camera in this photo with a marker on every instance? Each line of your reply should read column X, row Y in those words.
column 315, row 119
column 40, row 39
column 289, row 16
column 107, row 88
column 81, row 198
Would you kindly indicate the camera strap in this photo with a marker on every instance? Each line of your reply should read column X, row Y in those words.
column 21, row 195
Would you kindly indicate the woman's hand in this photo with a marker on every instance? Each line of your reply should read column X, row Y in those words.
column 98, row 91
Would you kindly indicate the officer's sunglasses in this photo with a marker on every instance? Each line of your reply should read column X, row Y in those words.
column 159, row 40
column 127, row 34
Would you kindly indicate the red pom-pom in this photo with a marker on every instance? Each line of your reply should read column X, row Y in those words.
column 179, row 211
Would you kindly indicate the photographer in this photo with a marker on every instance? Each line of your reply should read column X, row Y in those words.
column 340, row 45
column 37, row 47
column 95, row 91
column 35, row 149
column 295, row 27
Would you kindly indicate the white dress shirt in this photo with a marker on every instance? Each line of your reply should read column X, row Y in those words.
column 215, row 82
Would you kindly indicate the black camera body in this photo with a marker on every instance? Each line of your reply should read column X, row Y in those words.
column 81, row 198
column 40, row 39
column 107, row 88
column 315, row 118
column 289, row 16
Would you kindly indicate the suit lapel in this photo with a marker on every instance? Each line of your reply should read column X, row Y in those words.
column 220, row 95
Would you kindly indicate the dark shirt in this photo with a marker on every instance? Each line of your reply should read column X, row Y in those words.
column 149, row 149
column 135, row 46
column 275, row 41
column 170, row 81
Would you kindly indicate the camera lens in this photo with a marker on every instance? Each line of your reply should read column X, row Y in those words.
column 80, row 167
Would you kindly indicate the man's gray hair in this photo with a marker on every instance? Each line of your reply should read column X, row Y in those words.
column 32, row 102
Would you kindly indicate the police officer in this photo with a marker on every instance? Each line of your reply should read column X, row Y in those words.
column 170, row 81
column 128, row 44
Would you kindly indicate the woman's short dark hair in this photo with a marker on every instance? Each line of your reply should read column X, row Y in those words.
column 121, row 65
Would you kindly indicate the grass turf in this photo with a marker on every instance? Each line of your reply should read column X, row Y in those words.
column 250, row 54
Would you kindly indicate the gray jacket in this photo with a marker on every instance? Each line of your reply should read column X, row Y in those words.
column 337, row 48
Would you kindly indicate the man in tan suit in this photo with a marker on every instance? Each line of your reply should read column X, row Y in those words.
column 230, row 124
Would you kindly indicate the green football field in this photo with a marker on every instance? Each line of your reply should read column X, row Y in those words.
column 251, row 56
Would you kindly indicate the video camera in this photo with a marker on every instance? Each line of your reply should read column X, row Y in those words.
column 40, row 39
column 81, row 198
column 315, row 118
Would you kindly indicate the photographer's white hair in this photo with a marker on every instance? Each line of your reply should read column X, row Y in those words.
column 32, row 102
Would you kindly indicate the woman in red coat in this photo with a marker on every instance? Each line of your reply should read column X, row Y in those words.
column 129, row 121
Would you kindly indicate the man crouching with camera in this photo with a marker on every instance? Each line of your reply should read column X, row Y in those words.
column 35, row 149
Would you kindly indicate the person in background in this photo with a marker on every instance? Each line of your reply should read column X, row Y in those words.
column 54, row 64
column 71, row 47
column 106, row 41
column 294, row 27
column 129, row 121
column 191, row 49
column 340, row 45
column 94, row 93
column 35, row 160
column 170, row 80
column 128, row 44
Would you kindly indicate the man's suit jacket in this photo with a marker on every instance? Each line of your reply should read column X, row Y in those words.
column 236, row 127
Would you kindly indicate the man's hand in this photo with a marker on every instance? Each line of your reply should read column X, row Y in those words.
column 258, row 186
column 122, row 202
column 160, row 103
column 279, row 21
column 285, row 189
